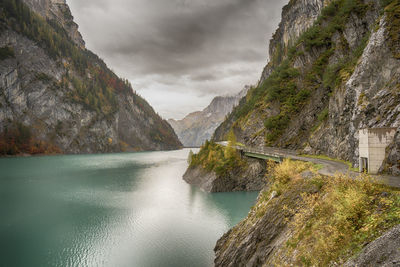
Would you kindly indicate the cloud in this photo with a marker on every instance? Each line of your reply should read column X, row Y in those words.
column 197, row 47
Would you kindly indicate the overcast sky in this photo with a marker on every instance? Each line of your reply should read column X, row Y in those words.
column 179, row 54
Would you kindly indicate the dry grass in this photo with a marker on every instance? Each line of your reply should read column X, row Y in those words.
column 331, row 218
column 340, row 219
column 288, row 171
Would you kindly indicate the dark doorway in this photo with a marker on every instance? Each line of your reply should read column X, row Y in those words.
column 364, row 165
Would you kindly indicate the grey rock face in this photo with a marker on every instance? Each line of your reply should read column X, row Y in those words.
column 199, row 177
column 30, row 93
column 197, row 127
column 256, row 240
column 392, row 162
column 384, row 251
column 369, row 99
column 59, row 11
column 369, row 96
column 297, row 17
column 252, row 178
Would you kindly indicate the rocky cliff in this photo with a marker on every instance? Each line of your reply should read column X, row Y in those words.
column 58, row 11
column 217, row 168
column 248, row 178
column 56, row 96
column 302, row 219
column 381, row 252
column 297, row 17
column 392, row 161
column 197, row 127
column 329, row 74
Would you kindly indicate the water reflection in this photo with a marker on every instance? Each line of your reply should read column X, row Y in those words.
column 110, row 210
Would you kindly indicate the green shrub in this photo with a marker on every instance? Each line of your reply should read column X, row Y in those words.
column 6, row 52
column 214, row 157
column 276, row 125
column 43, row 77
column 321, row 118
column 323, row 115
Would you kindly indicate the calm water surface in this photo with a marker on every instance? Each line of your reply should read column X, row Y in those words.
column 130, row 209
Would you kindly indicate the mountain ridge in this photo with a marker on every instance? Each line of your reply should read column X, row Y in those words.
column 197, row 127
column 57, row 96
column 337, row 76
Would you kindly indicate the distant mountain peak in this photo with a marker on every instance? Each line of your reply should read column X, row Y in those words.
column 199, row 126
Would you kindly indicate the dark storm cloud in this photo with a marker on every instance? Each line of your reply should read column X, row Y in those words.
column 175, row 44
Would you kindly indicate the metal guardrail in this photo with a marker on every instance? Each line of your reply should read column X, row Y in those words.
column 262, row 151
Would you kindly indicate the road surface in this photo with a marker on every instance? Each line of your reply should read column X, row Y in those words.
column 330, row 167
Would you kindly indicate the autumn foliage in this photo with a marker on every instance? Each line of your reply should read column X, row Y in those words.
column 18, row 139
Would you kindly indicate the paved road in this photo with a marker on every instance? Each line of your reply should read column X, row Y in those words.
column 330, row 167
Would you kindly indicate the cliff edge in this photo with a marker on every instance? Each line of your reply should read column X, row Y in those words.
column 58, row 97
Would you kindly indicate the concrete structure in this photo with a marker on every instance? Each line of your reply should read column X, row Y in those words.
column 372, row 147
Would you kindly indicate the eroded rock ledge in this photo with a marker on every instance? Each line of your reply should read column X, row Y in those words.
column 249, row 178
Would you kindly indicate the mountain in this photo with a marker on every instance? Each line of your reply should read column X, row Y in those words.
column 334, row 69
column 58, row 97
column 199, row 126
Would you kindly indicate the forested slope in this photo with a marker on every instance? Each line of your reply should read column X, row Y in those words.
column 57, row 96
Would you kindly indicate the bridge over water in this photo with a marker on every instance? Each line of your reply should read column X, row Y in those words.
column 267, row 153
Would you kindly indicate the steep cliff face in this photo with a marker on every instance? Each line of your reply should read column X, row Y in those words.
column 55, row 96
column 197, row 127
column 381, row 252
column 369, row 98
column 217, row 168
column 256, row 240
column 327, row 77
column 58, row 11
column 392, row 161
column 249, row 178
column 297, row 17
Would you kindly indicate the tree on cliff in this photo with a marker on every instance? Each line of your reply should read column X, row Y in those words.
column 230, row 150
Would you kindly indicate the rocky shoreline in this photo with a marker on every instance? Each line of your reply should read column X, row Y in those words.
column 249, row 178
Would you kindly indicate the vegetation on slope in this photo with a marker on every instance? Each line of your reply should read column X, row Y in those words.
column 335, row 220
column 6, row 52
column 392, row 11
column 18, row 139
column 87, row 80
column 292, row 87
column 94, row 84
column 217, row 158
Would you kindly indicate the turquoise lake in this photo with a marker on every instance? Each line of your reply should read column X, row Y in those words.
column 127, row 209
